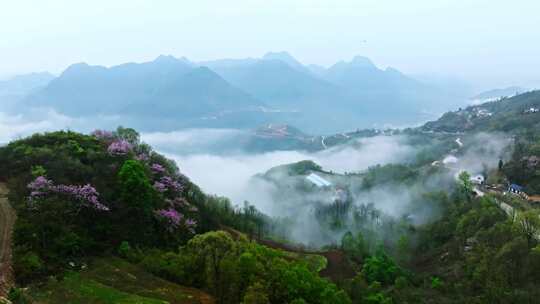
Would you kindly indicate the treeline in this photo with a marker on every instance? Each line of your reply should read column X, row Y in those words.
column 240, row 271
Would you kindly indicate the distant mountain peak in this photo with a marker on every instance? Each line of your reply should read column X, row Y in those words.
column 286, row 58
column 283, row 55
column 166, row 59
column 77, row 68
column 361, row 61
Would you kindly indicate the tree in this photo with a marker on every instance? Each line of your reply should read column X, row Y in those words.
column 501, row 164
column 256, row 294
column 529, row 224
column 380, row 268
column 135, row 188
column 137, row 199
column 403, row 249
column 129, row 135
column 465, row 184
column 212, row 248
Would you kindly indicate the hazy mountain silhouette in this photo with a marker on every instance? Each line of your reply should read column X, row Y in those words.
column 167, row 87
column 243, row 93
column 498, row 93
column 14, row 89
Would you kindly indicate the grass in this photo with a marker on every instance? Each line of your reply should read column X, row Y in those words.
column 113, row 280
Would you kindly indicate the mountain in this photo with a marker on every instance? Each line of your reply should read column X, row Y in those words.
column 388, row 89
column 16, row 88
column 288, row 59
column 169, row 88
column 274, row 81
column 23, row 84
column 360, row 74
column 171, row 93
column 350, row 94
column 498, row 93
column 317, row 70
column 307, row 99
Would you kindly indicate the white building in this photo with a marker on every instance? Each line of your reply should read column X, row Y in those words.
column 318, row 181
column 477, row 179
column 450, row 159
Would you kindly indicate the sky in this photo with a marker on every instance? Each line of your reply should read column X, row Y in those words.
column 490, row 43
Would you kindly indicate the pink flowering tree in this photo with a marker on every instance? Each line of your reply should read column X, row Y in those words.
column 86, row 195
column 103, row 135
column 119, row 147
column 175, row 220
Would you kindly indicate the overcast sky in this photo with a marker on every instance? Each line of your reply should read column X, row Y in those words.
column 487, row 42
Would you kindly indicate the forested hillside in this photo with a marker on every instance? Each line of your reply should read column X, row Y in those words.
column 79, row 197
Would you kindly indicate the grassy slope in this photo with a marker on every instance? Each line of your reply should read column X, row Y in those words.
column 114, row 280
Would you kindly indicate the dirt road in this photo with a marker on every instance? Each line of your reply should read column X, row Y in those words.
column 7, row 219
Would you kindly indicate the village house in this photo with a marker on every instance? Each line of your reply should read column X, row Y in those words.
column 517, row 190
column 477, row 179
column 531, row 110
column 318, row 181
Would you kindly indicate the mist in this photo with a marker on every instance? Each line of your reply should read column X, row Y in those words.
column 229, row 175
column 39, row 120
column 238, row 177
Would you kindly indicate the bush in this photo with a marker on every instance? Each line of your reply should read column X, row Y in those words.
column 28, row 266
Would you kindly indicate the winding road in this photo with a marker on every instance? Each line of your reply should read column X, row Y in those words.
column 7, row 219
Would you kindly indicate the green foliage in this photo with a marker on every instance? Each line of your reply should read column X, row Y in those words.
column 18, row 296
column 135, row 188
column 465, row 185
column 354, row 246
column 129, row 135
column 529, row 225
column 388, row 174
column 28, row 265
column 126, row 251
column 112, row 280
column 377, row 298
column 256, row 294
column 436, row 283
column 241, row 271
column 381, row 268
column 38, row 171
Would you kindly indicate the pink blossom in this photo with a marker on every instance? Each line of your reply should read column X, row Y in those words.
column 170, row 183
column 86, row 194
column 142, row 157
column 103, row 134
column 160, row 187
column 157, row 168
column 171, row 216
column 40, row 184
column 119, row 147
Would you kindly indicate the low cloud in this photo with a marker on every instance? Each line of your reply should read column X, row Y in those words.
column 229, row 175
column 14, row 126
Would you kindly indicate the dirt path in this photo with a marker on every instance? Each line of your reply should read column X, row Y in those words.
column 7, row 219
